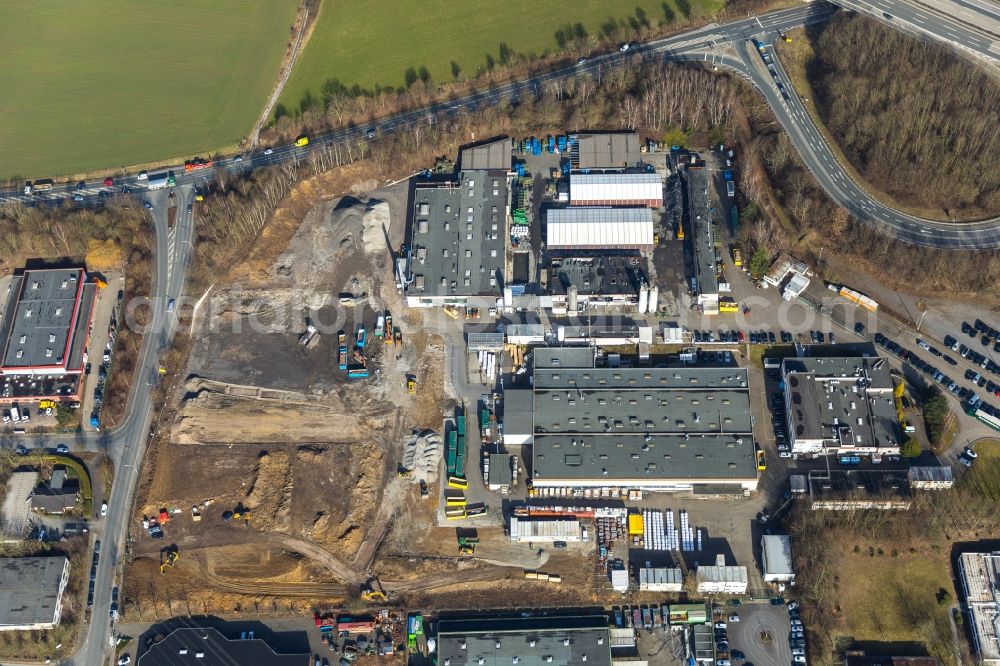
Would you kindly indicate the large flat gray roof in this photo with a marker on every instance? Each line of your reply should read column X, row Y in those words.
column 460, row 236
column 531, row 640
column 492, row 155
column 29, row 590
column 605, row 458
column 46, row 319
column 686, row 378
column 608, row 150
column 702, row 241
column 845, row 401
column 208, row 647
column 517, row 412
column 606, row 412
column 597, row 276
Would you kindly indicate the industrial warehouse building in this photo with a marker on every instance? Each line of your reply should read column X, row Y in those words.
column 980, row 576
column 606, row 150
column 528, row 641
column 208, row 647
column 44, row 333
column 722, row 578
column 490, row 155
column 841, row 406
column 458, row 240
column 580, row 283
column 657, row 429
column 599, row 229
column 660, row 579
column 523, row 528
column 705, row 281
column 616, row 189
column 31, row 592
column 776, row 552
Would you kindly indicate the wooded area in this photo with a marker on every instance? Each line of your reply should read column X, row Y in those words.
column 915, row 119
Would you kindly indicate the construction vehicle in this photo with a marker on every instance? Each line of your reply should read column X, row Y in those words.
column 472, row 313
column 362, row 338
column 411, row 384
column 380, row 326
column 397, row 338
column 342, row 350
column 680, row 231
column 373, row 592
column 458, row 483
column 387, row 333
column 467, row 545
column 172, row 554
column 451, row 311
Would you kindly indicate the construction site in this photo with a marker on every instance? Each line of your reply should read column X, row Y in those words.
column 278, row 482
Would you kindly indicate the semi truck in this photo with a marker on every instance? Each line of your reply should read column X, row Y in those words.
column 157, row 181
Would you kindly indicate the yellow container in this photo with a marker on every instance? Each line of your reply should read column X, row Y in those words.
column 635, row 525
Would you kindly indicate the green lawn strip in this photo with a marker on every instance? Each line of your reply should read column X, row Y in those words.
column 373, row 44
column 91, row 85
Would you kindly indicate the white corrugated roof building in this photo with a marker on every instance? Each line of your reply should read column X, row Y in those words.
column 544, row 529
column 609, row 189
column 777, row 553
column 599, row 228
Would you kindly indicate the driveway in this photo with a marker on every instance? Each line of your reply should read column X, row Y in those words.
column 755, row 620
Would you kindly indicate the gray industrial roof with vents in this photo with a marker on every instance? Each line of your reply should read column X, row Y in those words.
column 702, row 241
column 845, row 401
column 630, row 458
column 617, row 409
column 208, row 647
column 598, row 276
column 31, row 590
column 529, row 641
column 46, row 319
column 459, row 236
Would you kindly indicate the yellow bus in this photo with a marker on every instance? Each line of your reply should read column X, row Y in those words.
column 458, row 482
column 455, row 501
column 454, row 514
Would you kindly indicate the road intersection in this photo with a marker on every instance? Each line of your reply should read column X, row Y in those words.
column 727, row 46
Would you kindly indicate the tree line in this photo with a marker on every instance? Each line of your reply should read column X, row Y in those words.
column 915, row 119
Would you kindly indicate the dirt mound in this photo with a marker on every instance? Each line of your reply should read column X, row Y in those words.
column 271, row 491
column 376, row 226
column 215, row 418
column 422, row 455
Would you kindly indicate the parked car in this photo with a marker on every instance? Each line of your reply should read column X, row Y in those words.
column 734, row 618
column 62, row 448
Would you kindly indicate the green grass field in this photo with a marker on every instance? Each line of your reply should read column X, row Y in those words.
column 984, row 476
column 90, row 84
column 374, row 43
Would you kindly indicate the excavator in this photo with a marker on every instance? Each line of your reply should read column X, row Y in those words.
column 373, row 592
column 172, row 554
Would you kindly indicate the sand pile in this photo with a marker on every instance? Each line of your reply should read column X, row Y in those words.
column 375, row 223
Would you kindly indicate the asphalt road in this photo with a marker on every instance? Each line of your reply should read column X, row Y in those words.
column 972, row 26
column 820, row 160
column 126, row 444
column 706, row 43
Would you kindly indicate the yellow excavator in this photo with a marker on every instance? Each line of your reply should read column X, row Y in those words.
column 172, row 554
column 373, row 592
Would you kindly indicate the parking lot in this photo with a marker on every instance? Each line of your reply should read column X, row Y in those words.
column 762, row 634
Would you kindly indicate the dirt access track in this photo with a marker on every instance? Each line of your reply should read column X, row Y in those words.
column 268, row 426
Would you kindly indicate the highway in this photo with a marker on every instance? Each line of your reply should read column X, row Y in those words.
column 821, row 161
column 970, row 26
column 726, row 46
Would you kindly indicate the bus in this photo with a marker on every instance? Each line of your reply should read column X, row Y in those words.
column 458, row 500
column 458, row 482
column 454, row 513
